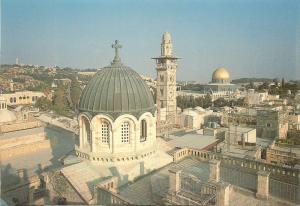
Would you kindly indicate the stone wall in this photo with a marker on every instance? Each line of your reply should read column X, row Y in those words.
column 19, row 143
column 21, row 191
column 16, row 126
column 12, row 152
column 285, row 177
column 285, row 174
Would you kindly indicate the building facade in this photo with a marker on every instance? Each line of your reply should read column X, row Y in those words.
column 22, row 97
column 272, row 124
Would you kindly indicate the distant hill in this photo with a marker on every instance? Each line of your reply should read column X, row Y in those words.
column 248, row 80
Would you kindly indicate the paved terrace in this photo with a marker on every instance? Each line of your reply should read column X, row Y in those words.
column 147, row 189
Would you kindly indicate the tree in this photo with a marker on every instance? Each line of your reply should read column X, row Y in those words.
column 207, row 102
column 264, row 86
column 282, row 82
column 60, row 102
column 75, row 92
column 43, row 104
column 221, row 102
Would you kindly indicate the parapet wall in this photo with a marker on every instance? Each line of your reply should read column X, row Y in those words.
column 288, row 175
column 12, row 152
column 19, row 126
column 283, row 183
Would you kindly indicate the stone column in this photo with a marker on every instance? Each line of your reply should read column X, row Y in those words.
column 263, row 185
column 174, row 180
column 93, row 138
column 30, row 196
column 298, row 195
column 214, row 170
column 223, row 192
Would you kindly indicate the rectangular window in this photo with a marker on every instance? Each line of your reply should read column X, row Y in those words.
column 125, row 132
column 105, row 133
column 143, row 130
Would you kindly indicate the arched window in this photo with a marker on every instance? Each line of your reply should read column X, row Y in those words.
column 143, row 130
column 125, row 132
column 105, row 132
column 15, row 99
column 11, row 100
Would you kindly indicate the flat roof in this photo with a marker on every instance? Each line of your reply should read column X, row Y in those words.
column 191, row 139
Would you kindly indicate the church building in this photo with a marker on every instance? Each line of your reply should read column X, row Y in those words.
column 117, row 132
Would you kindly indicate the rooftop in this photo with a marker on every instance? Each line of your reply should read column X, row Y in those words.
column 191, row 139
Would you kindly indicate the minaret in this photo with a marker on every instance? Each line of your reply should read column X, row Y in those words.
column 166, row 66
column 17, row 61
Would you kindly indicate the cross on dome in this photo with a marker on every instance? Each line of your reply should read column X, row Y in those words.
column 116, row 46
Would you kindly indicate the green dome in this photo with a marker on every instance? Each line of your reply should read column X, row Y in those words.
column 116, row 90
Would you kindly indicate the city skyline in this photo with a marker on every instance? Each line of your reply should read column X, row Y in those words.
column 249, row 38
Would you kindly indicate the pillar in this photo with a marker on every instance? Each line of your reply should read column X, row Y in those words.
column 31, row 196
column 214, row 170
column 263, row 184
column 223, row 193
column 174, row 180
column 80, row 134
column 298, row 195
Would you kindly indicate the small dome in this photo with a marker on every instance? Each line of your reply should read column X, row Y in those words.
column 2, row 99
column 7, row 116
column 116, row 90
column 221, row 75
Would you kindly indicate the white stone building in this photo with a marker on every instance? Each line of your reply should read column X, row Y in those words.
column 194, row 118
column 23, row 97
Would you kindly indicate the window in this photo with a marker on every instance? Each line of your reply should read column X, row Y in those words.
column 268, row 124
column 11, row 100
column 161, row 78
column 125, row 132
column 162, row 91
column 143, row 130
column 105, row 132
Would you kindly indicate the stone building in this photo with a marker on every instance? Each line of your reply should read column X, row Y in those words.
column 19, row 135
column 282, row 155
column 195, row 118
column 272, row 124
column 166, row 66
column 5, row 114
column 22, row 97
column 117, row 132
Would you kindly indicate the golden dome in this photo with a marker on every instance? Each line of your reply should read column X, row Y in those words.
column 221, row 75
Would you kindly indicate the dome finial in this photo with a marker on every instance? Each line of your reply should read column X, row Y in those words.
column 116, row 46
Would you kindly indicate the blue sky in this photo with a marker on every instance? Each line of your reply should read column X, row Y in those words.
column 252, row 38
